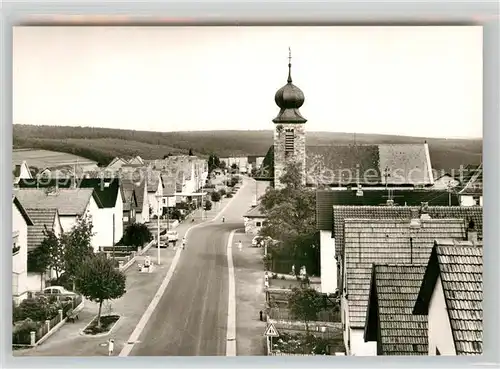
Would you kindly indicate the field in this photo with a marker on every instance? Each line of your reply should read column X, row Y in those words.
column 102, row 144
column 44, row 158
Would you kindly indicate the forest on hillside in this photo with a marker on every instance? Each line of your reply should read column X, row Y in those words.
column 103, row 144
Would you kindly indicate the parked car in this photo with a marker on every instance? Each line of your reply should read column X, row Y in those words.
column 57, row 291
column 170, row 236
column 258, row 241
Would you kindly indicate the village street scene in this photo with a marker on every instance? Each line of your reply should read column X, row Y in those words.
column 304, row 246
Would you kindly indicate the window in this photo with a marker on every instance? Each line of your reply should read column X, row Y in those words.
column 289, row 142
column 476, row 200
column 437, row 352
column 259, row 224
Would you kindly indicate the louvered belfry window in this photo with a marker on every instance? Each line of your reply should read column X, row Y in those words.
column 289, row 142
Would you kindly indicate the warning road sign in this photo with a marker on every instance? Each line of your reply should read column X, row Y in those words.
column 271, row 331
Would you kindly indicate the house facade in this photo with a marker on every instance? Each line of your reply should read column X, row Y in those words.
column 44, row 219
column 254, row 220
column 20, row 223
column 451, row 295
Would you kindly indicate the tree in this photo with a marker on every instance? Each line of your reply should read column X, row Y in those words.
column 305, row 304
column 215, row 196
column 77, row 247
column 166, row 156
column 136, row 234
column 213, row 162
column 234, row 166
column 222, row 192
column 208, row 205
column 190, row 152
column 98, row 280
column 49, row 255
column 291, row 219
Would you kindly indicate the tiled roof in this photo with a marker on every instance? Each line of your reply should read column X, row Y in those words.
column 42, row 219
column 255, row 212
column 394, row 292
column 340, row 213
column 105, row 189
column 138, row 186
column 461, row 272
column 369, row 164
column 326, row 199
column 22, row 209
column 387, row 241
column 67, row 201
column 169, row 185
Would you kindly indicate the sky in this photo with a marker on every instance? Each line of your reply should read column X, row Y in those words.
column 412, row 81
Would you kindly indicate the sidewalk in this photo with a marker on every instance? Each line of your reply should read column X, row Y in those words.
column 140, row 287
column 250, row 297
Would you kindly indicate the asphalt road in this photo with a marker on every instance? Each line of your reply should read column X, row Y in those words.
column 191, row 317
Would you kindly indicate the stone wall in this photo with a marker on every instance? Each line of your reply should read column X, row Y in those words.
column 299, row 153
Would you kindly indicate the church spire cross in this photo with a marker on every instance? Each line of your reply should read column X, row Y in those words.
column 289, row 65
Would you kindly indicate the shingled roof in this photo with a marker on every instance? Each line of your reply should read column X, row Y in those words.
column 369, row 164
column 389, row 319
column 138, row 186
column 67, row 201
column 460, row 268
column 43, row 219
column 106, row 189
column 326, row 199
column 340, row 213
column 255, row 212
column 387, row 241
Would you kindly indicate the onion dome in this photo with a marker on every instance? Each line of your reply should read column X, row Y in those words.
column 289, row 99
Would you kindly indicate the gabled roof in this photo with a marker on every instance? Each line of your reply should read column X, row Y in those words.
column 138, row 187
column 22, row 210
column 461, row 270
column 326, row 199
column 105, row 189
column 369, row 164
column 67, row 201
column 116, row 160
column 340, row 213
column 43, row 219
column 255, row 212
column 387, row 241
column 390, row 319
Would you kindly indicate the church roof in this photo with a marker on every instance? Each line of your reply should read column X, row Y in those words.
column 392, row 164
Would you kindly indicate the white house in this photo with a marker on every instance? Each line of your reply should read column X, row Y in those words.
column 43, row 219
column 254, row 220
column 71, row 204
column 20, row 223
column 445, row 182
column 451, row 296
column 21, row 170
column 155, row 192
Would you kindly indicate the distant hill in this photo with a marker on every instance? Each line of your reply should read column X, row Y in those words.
column 103, row 144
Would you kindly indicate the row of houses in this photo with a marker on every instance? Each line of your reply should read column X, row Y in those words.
column 112, row 199
column 244, row 164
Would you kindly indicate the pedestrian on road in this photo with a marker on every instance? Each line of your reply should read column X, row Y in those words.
column 260, row 314
column 240, row 245
column 223, row 219
column 111, row 346
column 183, row 242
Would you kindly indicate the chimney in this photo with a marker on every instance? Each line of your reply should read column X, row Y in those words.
column 472, row 233
column 424, row 211
column 415, row 220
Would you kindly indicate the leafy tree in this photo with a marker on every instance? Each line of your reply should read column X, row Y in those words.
column 291, row 219
column 222, row 192
column 213, row 162
column 305, row 304
column 208, row 205
column 77, row 247
column 190, row 152
column 136, row 234
column 98, row 280
column 166, row 156
column 234, row 166
column 215, row 196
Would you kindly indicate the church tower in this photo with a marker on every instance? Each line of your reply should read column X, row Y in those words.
column 289, row 132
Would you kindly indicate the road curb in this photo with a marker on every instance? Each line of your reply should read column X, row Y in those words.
column 231, row 304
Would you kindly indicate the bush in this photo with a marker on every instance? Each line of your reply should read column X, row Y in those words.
column 21, row 331
column 38, row 309
column 229, row 195
column 136, row 235
column 208, row 205
column 222, row 192
column 215, row 196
